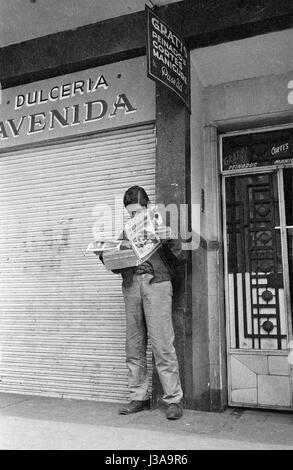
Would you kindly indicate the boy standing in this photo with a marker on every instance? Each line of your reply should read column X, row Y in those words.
column 147, row 291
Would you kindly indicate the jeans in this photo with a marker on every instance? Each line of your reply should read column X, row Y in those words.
column 149, row 315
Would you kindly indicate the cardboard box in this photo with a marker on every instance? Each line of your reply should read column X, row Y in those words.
column 119, row 259
column 141, row 241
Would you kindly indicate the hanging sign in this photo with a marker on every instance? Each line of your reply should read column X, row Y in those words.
column 168, row 57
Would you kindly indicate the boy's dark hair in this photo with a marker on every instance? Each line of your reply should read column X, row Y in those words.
column 134, row 195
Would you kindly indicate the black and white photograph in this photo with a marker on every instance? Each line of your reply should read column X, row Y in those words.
column 146, row 228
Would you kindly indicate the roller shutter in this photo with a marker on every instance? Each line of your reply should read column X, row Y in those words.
column 62, row 314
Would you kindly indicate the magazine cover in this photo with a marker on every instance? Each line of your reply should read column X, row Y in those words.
column 142, row 241
column 141, row 232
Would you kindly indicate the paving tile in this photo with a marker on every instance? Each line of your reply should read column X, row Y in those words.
column 258, row 364
column 248, row 396
column 274, row 390
column 241, row 376
column 278, row 365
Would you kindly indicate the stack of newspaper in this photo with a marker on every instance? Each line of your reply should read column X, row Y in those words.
column 140, row 231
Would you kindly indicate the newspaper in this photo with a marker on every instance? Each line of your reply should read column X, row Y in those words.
column 141, row 233
column 104, row 245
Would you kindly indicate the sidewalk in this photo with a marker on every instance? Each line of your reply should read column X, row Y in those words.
column 41, row 423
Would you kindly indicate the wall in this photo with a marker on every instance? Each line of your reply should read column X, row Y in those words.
column 242, row 104
column 173, row 187
column 205, row 272
column 247, row 103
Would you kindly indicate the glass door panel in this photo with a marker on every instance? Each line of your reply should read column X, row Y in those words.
column 288, row 195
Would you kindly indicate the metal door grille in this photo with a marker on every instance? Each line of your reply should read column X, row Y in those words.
column 255, row 263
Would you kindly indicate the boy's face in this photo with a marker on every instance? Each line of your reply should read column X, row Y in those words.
column 134, row 209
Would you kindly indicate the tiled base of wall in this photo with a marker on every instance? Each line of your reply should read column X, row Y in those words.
column 262, row 380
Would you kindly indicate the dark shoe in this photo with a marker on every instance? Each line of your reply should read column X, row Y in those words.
column 134, row 407
column 174, row 411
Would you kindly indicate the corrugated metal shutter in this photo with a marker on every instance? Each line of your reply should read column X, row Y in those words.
column 62, row 316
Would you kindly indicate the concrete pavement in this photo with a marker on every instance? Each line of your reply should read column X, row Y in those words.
column 41, row 423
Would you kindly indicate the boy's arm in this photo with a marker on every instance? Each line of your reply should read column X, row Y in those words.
column 174, row 245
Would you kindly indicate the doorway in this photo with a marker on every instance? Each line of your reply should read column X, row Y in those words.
column 258, row 235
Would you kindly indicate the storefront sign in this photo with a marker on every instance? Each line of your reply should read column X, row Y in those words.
column 281, row 150
column 168, row 57
column 256, row 150
column 108, row 97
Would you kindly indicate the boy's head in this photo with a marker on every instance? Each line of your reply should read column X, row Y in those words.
column 135, row 200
